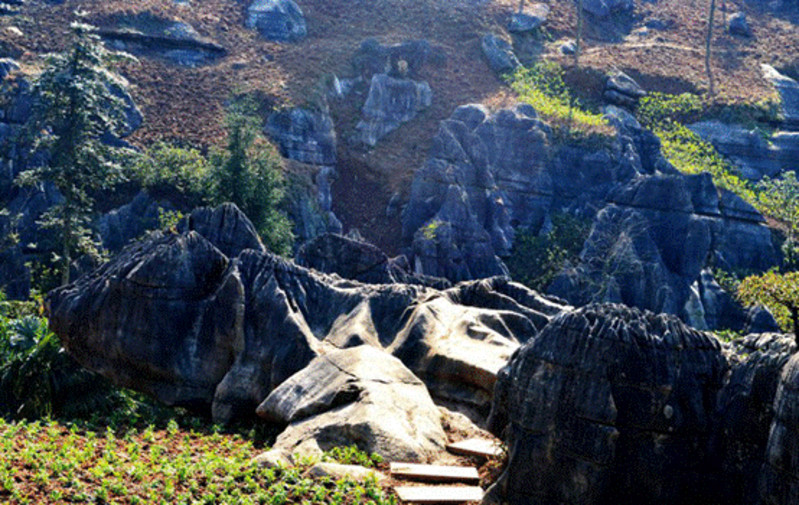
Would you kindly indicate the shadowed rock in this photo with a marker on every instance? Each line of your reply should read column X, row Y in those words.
column 609, row 405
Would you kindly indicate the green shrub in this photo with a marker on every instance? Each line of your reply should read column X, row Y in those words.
column 167, row 166
column 537, row 259
column 543, row 87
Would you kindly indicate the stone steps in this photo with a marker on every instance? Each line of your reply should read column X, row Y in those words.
column 467, row 476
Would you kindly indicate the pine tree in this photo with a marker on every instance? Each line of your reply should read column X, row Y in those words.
column 75, row 107
column 248, row 173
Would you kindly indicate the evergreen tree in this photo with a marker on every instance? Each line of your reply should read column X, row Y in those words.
column 248, row 173
column 74, row 108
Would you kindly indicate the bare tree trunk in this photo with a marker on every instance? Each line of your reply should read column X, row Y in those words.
column 578, row 42
column 795, row 320
column 67, row 240
column 708, row 46
column 521, row 6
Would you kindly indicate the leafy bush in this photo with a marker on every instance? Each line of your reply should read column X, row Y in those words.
column 778, row 292
column 537, row 259
column 181, row 169
column 543, row 87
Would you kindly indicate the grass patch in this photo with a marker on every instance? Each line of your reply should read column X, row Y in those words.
column 666, row 116
column 543, row 87
column 49, row 462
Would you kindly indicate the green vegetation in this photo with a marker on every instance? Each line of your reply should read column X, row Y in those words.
column 779, row 198
column 75, row 107
column 666, row 116
column 537, row 259
column 181, row 170
column 778, row 292
column 543, row 87
column 49, row 462
column 248, row 173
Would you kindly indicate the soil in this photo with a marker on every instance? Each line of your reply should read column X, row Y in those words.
column 188, row 104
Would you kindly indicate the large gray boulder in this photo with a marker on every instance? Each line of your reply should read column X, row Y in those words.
column 499, row 54
column 278, row 20
column 149, row 35
column 609, row 405
column 391, row 102
column 360, row 393
column 373, row 58
column 303, row 135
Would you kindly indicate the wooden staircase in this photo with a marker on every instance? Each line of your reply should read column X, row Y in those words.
column 439, row 480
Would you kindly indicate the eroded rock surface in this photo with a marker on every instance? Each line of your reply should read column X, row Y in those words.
column 177, row 318
column 490, row 175
column 607, row 405
column 391, row 102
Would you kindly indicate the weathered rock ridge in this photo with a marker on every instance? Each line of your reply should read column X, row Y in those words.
column 609, row 404
column 178, row 318
column 490, row 175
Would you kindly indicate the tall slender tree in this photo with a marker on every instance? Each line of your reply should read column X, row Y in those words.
column 75, row 107
column 709, row 47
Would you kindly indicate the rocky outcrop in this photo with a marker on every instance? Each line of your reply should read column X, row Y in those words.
column 499, row 54
column 391, row 102
column 738, row 25
column 604, row 8
column 149, row 35
column 533, row 17
column 310, row 203
column 130, row 221
column 360, row 395
column 654, row 230
column 373, row 58
column 788, row 90
column 175, row 317
column 360, row 261
column 779, row 482
column 621, row 89
column 278, row 20
column 753, row 154
column 225, row 227
column 609, row 404
column 744, row 416
column 303, row 135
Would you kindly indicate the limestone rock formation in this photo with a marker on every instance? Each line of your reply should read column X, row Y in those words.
column 530, row 20
column 621, row 89
column 390, row 103
column 489, row 175
column 788, row 89
column 360, row 261
column 359, row 394
column 303, row 135
column 373, row 58
column 606, row 405
column 279, row 20
column 604, row 8
column 150, row 35
column 499, row 54
column 175, row 317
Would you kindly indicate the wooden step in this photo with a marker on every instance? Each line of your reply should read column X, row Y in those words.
column 435, row 473
column 439, row 494
column 476, row 447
